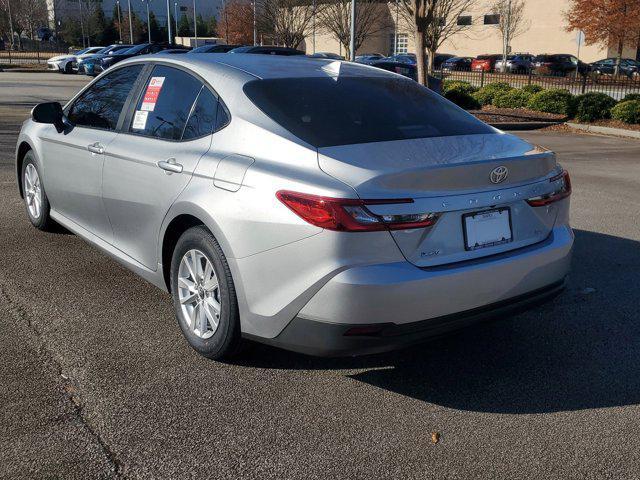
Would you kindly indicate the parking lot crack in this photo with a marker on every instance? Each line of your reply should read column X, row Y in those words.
column 68, row 387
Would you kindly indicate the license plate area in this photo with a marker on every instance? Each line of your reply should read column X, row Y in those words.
column 487, row 228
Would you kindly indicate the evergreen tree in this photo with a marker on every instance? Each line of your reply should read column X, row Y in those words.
column 156, row 35
column 203, row 28
column 184, row 28
column 212, row 27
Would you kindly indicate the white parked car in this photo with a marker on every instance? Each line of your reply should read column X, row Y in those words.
column 64, row 63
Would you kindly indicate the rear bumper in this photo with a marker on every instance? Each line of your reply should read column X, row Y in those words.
column 338, row 340
column 410, row 303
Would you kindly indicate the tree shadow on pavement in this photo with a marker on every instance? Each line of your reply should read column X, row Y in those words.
column 582, row 350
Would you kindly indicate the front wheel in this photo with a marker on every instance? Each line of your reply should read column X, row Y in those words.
column 204, row 296
column 35, row 197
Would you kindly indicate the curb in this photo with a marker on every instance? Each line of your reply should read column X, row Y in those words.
column 523, row 125
column 618, row 132
column 25, row 70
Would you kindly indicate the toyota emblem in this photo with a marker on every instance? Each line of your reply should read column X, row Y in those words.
column 499, row 174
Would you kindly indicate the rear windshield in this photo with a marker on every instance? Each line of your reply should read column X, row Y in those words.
column 325, row 111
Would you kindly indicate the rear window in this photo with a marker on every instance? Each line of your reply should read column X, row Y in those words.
column 325, row 111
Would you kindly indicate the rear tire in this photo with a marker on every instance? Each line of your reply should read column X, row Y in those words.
column 204, row 296
column 35, row 196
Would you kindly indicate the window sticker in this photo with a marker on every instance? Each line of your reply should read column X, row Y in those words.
column 151, row 95
column 140, row 120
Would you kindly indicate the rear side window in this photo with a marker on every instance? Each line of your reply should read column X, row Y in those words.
column 164, row 106
column 100, row 105
column 326, row 111
column 202, row 120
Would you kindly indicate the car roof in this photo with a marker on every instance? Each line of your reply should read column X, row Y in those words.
column 263, row 66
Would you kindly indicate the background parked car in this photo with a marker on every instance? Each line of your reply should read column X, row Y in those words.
column 64, row 63
column 460, row 64
column 86, row 64
column 409, row 58
column 329, row 55
column 214, row 48
column 268, row 50
column 141, row 49
column 173, row 51
column 407, row 70
column 559, row 64
column 607, row 66
column 485, row 63
column 440, row 58
column 368, row 58
column 518, row 63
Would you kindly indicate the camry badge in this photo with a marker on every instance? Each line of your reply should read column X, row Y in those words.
column 499, row 174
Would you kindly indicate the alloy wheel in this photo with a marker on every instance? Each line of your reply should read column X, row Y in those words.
column 199, row 294
column 33, row 191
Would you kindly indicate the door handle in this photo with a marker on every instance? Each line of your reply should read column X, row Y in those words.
column 96, row 148
column 170, row 166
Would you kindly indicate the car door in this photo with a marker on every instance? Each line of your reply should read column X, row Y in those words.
column 73, row 159
column 152, row 160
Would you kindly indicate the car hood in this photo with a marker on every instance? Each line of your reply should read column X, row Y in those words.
column 434, row 166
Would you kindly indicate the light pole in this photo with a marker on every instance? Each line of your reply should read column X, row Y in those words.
column 395, row 33
column 314, row 26
column 169, row 39
column 352, row 43
column 10, row 23
column 148, row 21
column 81, row 23
column 255, row 27
column 119, row 20
column 195, row 23
column 130, row 23
column 175, row 16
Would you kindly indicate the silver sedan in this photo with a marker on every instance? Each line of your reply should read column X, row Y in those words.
column 321, row 206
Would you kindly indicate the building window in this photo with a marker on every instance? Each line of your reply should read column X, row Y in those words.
column 403, row 43
column 493, row 19
column 464, row 20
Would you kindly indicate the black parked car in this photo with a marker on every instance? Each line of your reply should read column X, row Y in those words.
column 560, row 65
column 141, row 49
column 267, row 50
column 607, row 66
column 407, row 70
column 214, row 48
column 460, row 64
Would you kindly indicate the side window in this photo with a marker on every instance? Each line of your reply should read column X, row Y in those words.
column 165, row 104
column 100, row 105
column 223, row 117
column 203, row 116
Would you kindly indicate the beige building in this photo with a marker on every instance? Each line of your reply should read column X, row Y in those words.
column 544, row 32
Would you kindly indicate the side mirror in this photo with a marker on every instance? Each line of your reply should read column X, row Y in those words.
column 49, row 112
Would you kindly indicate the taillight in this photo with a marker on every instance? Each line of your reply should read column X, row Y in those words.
column 352, row 215
column 562, row 191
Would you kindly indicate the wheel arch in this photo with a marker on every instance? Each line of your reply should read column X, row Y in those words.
column 23, row 148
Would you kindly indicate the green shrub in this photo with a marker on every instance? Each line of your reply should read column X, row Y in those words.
column 462, row 99
column 487, row 93
column 627, row 111
column 512, row 99
column 593, row 106
column 458, row 85
column 532, row 89
column 631, row 96
column 552, row 101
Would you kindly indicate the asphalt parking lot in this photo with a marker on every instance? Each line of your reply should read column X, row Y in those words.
column 97, row 381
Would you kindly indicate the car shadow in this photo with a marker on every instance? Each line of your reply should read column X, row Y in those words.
column 580, row 351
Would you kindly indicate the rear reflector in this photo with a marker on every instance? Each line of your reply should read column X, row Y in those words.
column 563, row 190
column 350, row 214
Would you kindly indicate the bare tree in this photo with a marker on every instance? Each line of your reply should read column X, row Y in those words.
column 372, row 17
column 420, row 14
column 288, row 20
column 512, row 23
column 444, row 24
column 31, row 15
